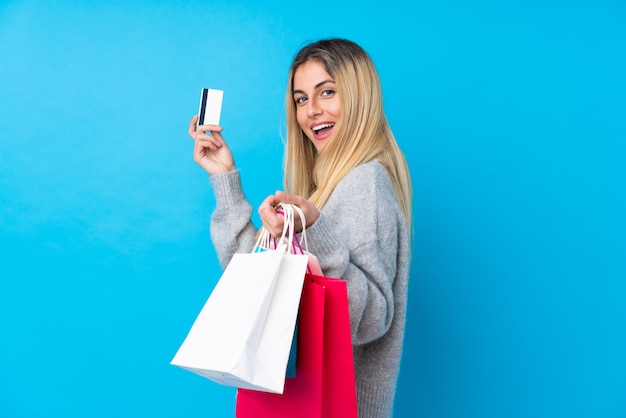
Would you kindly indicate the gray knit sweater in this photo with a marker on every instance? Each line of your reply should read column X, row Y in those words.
column 361, row 236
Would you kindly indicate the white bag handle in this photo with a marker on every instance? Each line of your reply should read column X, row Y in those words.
column 286, row 240
column 304, row 243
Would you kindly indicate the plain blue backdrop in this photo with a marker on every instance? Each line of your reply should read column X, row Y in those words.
column 512, row 116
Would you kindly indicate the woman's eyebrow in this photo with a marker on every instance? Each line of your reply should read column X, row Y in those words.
column 318, row 85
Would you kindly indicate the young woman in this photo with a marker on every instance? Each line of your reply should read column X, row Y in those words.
column 346, row 172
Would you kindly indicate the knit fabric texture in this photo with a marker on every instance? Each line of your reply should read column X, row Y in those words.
column 361, row 237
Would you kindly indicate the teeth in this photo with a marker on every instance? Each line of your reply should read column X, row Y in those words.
column 322, row 126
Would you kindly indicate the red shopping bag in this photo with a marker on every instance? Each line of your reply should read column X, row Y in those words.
column 324, row 385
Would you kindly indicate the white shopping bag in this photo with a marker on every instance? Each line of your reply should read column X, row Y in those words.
column 280, row 324
column 243, row 334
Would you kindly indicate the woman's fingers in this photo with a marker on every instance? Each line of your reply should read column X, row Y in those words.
column 194, row 130
column 271, row 219
column 208, row 141
column 209, row 128
column 192, row 127
column 309, row 210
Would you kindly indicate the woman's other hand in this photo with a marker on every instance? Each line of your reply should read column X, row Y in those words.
column 210, row 150
column 274, row 221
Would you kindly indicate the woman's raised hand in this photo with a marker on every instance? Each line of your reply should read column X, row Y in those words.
column 210, row 150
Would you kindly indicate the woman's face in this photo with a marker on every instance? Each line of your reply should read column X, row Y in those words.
column 318, row 108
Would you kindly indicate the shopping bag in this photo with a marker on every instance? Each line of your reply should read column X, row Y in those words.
column 313, row 267
column 324, row 385
column 243, row 334
column 291, row 361
column 265, row 242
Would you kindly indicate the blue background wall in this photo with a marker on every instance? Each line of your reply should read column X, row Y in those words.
column 512, row 116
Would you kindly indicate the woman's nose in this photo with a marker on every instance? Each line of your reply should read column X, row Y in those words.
column 313, row 108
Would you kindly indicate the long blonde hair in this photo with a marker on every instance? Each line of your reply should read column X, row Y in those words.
column 363, row 133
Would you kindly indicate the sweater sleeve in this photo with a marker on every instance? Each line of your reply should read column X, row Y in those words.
column 232, row 230
column 356, row 239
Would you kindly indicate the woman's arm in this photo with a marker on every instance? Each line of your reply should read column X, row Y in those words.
column 232, row 230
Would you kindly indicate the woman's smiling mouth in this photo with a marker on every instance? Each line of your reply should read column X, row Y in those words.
column 322, row 130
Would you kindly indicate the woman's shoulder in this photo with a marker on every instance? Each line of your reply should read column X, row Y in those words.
column 365, row 201
column 366, row 182
column 373, row 166
column 367, row 174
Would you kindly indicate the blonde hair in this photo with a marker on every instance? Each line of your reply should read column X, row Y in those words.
column 363, row 133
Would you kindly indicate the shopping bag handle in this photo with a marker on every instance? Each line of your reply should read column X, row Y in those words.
column 289, row 239
column 294, row 241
